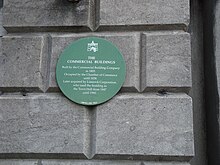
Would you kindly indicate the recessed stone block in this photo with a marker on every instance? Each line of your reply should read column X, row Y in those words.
column 141, row 126
column 144, row 12
column 45, row 14
column 167, row 60
column 128, row 44
column 41, row 124
column 23, row 62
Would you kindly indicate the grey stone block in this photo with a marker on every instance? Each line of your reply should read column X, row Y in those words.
column 59, row 43
column 145, row 126
column 44, row 14
column 23, row 62
column 18, row 162
column 41, row 124
column 167, row 60
column 84, row 162
column 127, row 43
column 166, row 163
column 2, row 30
column 89, row 162
column 144, row 12
column 106, row 162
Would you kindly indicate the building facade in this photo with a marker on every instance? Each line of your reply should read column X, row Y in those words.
column 166, row 112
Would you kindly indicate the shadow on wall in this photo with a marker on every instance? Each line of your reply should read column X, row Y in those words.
column 211, row 84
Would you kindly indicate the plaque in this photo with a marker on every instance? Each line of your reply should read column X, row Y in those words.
column 90, row 71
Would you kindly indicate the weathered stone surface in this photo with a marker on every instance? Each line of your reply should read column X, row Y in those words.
column 2, row 30
column 167, row 60
column 128, row 44
column 166, row 163
column 144, row 12
column 18, row 162
column 84, row 162
column 145, row 125
column 41, row 124
column 44, row 13
column 23, row 62
column 91, row 162
column 112, row 162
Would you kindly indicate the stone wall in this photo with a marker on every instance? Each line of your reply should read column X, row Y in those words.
column 149, row 122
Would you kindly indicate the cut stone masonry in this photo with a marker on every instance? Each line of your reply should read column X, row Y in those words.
column 141, row 125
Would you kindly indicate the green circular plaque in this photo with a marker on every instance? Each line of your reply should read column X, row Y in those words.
column 90, row 71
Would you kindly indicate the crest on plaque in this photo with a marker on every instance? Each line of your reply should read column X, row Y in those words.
column 92, row 47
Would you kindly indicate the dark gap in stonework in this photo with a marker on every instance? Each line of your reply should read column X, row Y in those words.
column 42, row 156
column 153, row 27
column 72, row 1
column 82, row 29
column 142, row 157
column 211, row 86
column 79, row 156
column 47, row 29
column 1, row 3
column 162, row 92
